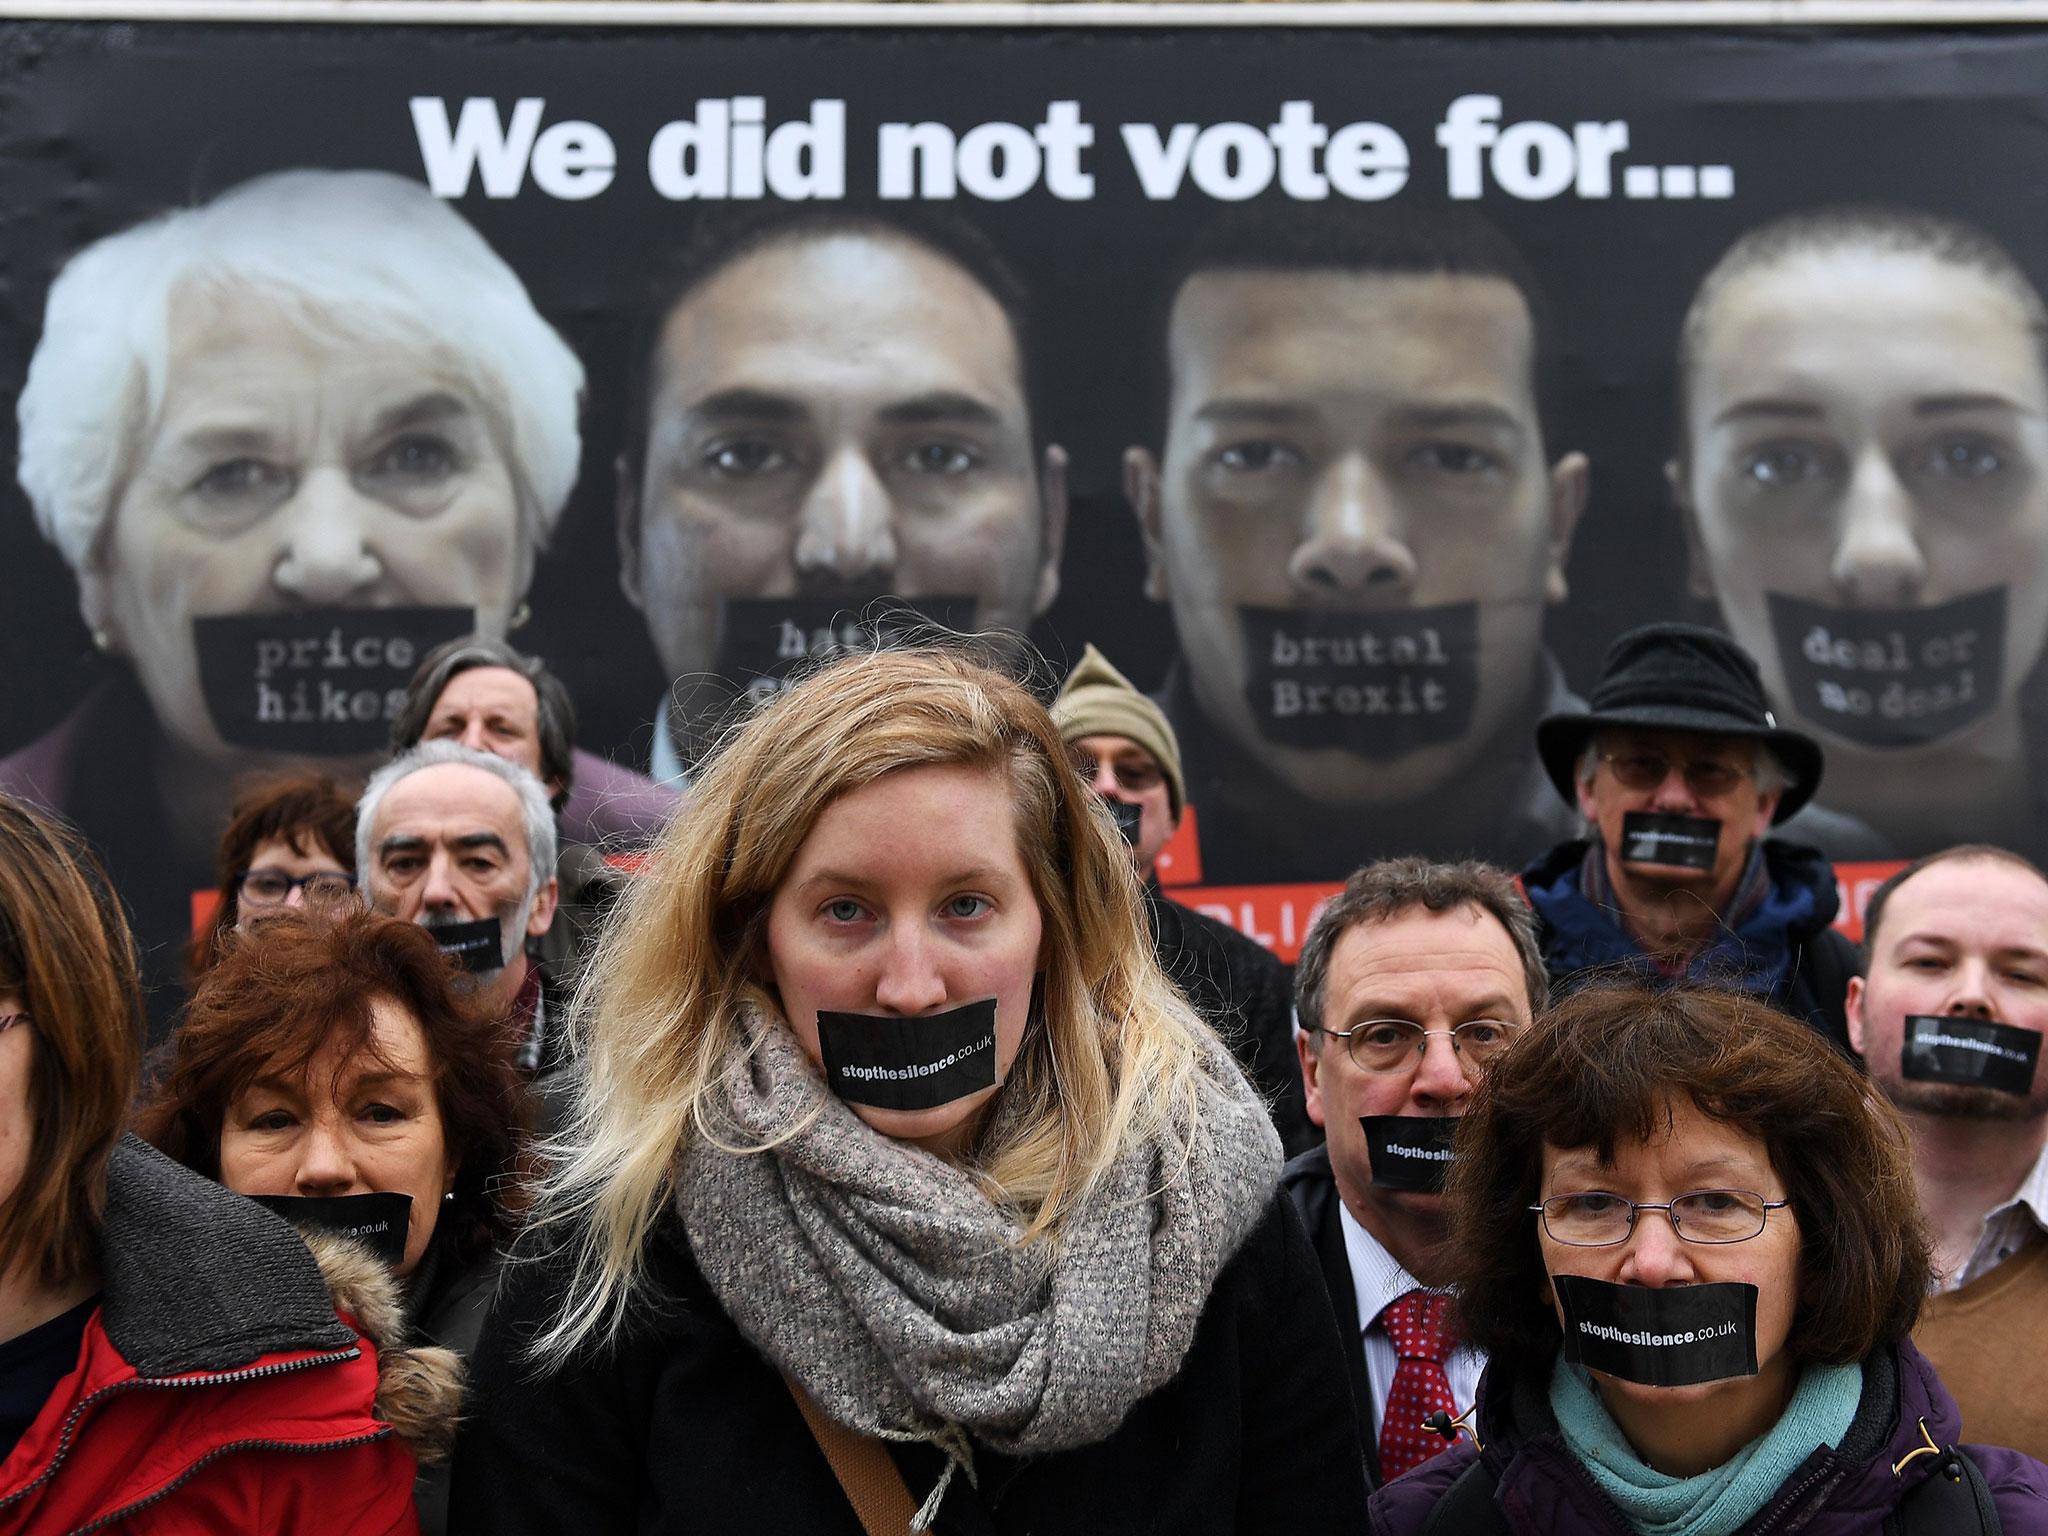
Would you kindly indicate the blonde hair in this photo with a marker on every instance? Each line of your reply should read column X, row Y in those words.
column 1114, row 1059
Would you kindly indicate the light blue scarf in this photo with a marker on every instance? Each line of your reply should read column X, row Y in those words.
column 1717, row 1502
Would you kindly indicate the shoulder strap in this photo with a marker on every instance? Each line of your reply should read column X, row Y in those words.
column 1946, row 1505
column 1466, row 1508
column 864, row 1467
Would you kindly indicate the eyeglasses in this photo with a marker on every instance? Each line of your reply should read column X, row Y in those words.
column 325, row 888
column 9, row 1020
column 1393, row 1045
column 1704, row 776
column 1134, row 773
column 1596, row 1219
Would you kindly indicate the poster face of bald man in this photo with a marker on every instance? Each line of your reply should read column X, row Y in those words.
column 1355, row 522
column 1866, row 486
column 835, row 418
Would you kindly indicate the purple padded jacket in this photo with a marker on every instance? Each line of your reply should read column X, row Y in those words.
column 1847, row 1492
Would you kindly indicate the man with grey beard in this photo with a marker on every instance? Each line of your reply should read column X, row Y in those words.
column 459, row 841
column 1949, row 1017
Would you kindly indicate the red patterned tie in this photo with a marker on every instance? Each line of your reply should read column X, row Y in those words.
column 1416, row 1324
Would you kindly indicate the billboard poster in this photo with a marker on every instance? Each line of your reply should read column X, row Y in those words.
column 1350, row 387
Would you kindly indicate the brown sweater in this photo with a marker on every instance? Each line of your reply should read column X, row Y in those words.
column 1989, row 1340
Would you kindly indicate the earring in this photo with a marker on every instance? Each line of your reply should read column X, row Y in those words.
column 519, row 616
column 449, row 1198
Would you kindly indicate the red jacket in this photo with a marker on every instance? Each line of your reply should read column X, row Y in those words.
column 212, row 1434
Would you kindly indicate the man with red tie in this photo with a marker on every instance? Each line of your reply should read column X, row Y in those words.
column 1411, row 980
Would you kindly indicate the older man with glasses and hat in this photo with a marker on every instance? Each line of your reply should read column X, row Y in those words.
column 1681, row 772
column 1122, row 744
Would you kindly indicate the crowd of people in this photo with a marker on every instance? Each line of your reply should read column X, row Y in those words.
column 880, row 1150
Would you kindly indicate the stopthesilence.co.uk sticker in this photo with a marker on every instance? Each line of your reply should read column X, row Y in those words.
column 1970, row 1053
column 1671, row 1336
column 889, row 1062
column 378, row 1220
column 1409, row 1152
column 1660, row 837
column 473, row 946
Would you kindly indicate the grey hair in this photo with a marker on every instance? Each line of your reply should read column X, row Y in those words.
column 366, row 254
column 1767, row 768
column 1389, row 887
column 534, row 810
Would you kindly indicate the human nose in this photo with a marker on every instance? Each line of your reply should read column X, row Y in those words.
column 1674, row 792
column 1353, row 542
column 1877, row 561
column 1102, row 779
column 439, row 892
column 295, row 897
column 1656, row 1254
column 846, row 528
column 909, row 982
column 326, row 1165
column 325, row 554
column 1970, row 992
column 1440, row 1077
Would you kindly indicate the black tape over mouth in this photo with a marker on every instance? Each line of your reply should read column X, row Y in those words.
column 765, row 641
column 1380, row 684
column 1892, row 677
column 1970, row 1053
column 1128, row 819
column 1672, row 1336
column 322, row 681
column 378, row 1220
column 475, row 947
column 1409, row 1152
column 888, row 1062
column 1659, row 837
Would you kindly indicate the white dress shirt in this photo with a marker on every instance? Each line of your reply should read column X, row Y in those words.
column 1379, row 1280
column 2007, row 1229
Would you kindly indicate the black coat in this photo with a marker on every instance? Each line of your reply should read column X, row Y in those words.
column 683, row 1428
column 1244, row 993
column 1311, row 1184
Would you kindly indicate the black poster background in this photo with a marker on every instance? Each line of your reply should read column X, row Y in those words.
column 105, row 123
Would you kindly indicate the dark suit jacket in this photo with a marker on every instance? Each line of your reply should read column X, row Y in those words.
column 1312, row 1186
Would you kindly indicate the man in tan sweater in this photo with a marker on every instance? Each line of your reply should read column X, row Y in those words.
column 1949, row 1016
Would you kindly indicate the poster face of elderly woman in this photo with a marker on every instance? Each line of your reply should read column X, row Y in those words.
column 287, row 442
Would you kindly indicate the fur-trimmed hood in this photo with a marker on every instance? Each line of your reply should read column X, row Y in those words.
column 419, row 1386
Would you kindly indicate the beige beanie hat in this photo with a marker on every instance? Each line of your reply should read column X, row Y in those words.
column 1098, row 700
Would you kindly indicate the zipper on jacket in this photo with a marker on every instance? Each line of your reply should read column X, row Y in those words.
column 214, row 1455
column 167, row 1383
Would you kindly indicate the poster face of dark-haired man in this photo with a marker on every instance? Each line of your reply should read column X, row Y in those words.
column 1866, row 487
column 835, row 418
column 1358, row 529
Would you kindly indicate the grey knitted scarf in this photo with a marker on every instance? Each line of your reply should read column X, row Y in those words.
column 884, row 1281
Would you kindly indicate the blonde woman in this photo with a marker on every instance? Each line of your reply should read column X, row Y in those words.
column 900, row 1167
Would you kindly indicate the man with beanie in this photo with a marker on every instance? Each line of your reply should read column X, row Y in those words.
column 1680, row 771
column 1124, row 747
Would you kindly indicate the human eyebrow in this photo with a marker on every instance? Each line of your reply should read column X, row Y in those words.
column 228, row 441
column 941, row 407
column 1444, row 417
column 401, row 842
column 427, row 410
column 1946, row 405
column 742, row 403
column 1258, row 413
column 470, row 841
column 1769, row 409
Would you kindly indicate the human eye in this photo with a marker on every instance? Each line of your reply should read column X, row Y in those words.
column 1588, row 1205
column 266, row 884
column 740, row 458
column 272, row 1120
column 967, row 907
column 940, row 458
column 1259, row 456
column 1453, row 458
column 1385, row 1033
column 1780, row 465
column 382, row 1114
column 417, row 456
column 1962, row 456
column 241, row 479
column 1482, row 1032
column 843, row 909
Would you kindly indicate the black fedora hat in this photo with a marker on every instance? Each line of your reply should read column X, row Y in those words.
column 1679, row 677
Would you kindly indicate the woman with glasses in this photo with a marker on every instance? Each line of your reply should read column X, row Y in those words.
column 1690, row 1248
column 905, row 1191
column 172, row 1359
column 289, row 845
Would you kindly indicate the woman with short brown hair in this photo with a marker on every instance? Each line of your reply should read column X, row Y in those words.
column 289, row 845
column 163, row 1345
column 1691, row 1251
